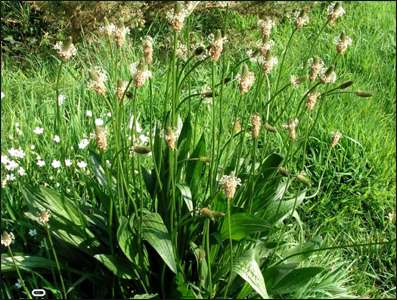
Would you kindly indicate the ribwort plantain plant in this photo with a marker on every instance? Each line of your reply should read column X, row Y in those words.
column 189, row 192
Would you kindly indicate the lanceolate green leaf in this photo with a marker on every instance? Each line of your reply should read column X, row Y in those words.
column 242, row 225
column 156, row 233
column 247, row 267
column 295, row 280
column 186, row 194
column 184, row 140
column 194, row 167
column 100, row 173
column 126, row 240
column 28, row 262
column 120, row 267
column 277, row 211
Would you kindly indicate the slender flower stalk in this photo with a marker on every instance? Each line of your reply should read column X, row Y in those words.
column 44, row 217
column 283, row 59
column 6, row 240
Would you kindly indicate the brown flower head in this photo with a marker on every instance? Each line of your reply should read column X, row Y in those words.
column 7, row 238
column 229, row 184
column 312, row 98
column 97, row 80
column 342, row 42
column 139, row 73
column 269, row 62
column 147, row 44
column 290, row 126
column 316, row 65
column 335, row 138
column 335, row 10
column 216, row 45
column 245, row 80
column 256, row 125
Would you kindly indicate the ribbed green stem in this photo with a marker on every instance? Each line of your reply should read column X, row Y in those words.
column 209, row 259
column 229, row 223
column 283, row 59
column 56, row 261
column 19, row 274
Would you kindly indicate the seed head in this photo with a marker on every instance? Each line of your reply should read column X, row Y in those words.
column 283, row 172
column 364, row 94
column 253, row 55
column 295, row 81
column 327, row 75
column 108, row 29
column 245, row 80
column 204, row 159
column 65, row 49
column 97, row 80
column 269, row 63
column 229, row 184
column 290, row 126
column 147, row 44
column 177, row 17
column 266, row 25
column 342, row 42
column 216, row 45
column 316, row 65
column 210, row 214
column 121, row 87
column 7, row 238
column 201, row 254
column 44, row 216
column 270, row 128
column 301, row 19
column 140, row 149
column 265, row 45
column 335, row 11
column 139, row 73
column 302, row 179
column 170, row 138
column 335, row 138
column 100, row 137
column 256, row 125
column 346, row 84
column 312, row 98
column 121, row 31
